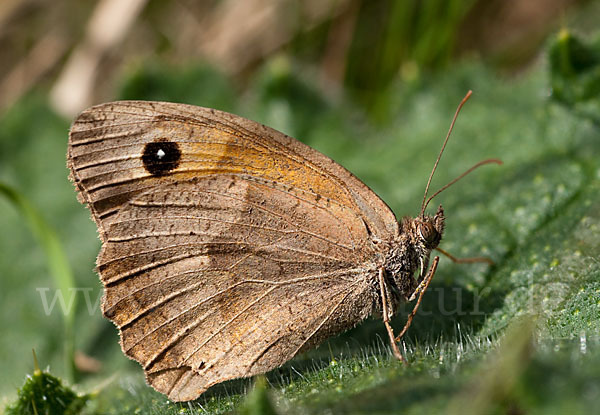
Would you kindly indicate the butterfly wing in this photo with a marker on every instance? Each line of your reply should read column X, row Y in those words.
column 107, row 145
column 223, row 277
column 252, row 247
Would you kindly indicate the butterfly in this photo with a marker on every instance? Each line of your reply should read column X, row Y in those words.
column 229, row 247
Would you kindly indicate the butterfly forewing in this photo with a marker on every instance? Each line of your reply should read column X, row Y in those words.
column 107, row 145
column 231, row 250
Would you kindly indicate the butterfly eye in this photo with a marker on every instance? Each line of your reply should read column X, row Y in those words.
column 428, row 234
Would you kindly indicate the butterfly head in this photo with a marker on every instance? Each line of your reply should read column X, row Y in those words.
column 407, row 257
column 429, row 229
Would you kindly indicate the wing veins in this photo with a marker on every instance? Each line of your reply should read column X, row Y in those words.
column 333, row 310
column 247, row 225
column 308, row 338
column 285, row 219
column 124, row 146
column 187, row 289
column 138, row 270
column 181, row 334
column 224, row 243
column 237, row 130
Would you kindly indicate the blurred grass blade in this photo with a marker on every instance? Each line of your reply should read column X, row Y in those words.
column 58, row 264
column 492, row 388
column 575, row 73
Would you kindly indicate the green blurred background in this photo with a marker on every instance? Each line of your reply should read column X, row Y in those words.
column 372, row 84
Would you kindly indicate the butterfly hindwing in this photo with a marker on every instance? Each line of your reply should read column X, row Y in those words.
column 213, row 278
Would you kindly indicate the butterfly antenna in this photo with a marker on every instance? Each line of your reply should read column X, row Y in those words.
column 481, row 163
column 425, row 201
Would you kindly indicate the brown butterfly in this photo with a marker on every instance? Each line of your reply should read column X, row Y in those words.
column 229, row 247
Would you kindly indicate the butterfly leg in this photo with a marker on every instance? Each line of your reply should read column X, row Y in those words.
column 420, row 290
column 464, row 260
column 386, row 317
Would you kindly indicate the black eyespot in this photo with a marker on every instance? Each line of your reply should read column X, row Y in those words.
column 160, row 157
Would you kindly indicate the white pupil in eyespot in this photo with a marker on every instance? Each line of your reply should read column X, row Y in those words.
column 160, row 154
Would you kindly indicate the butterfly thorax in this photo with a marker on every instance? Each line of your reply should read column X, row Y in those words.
column 407, row 257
